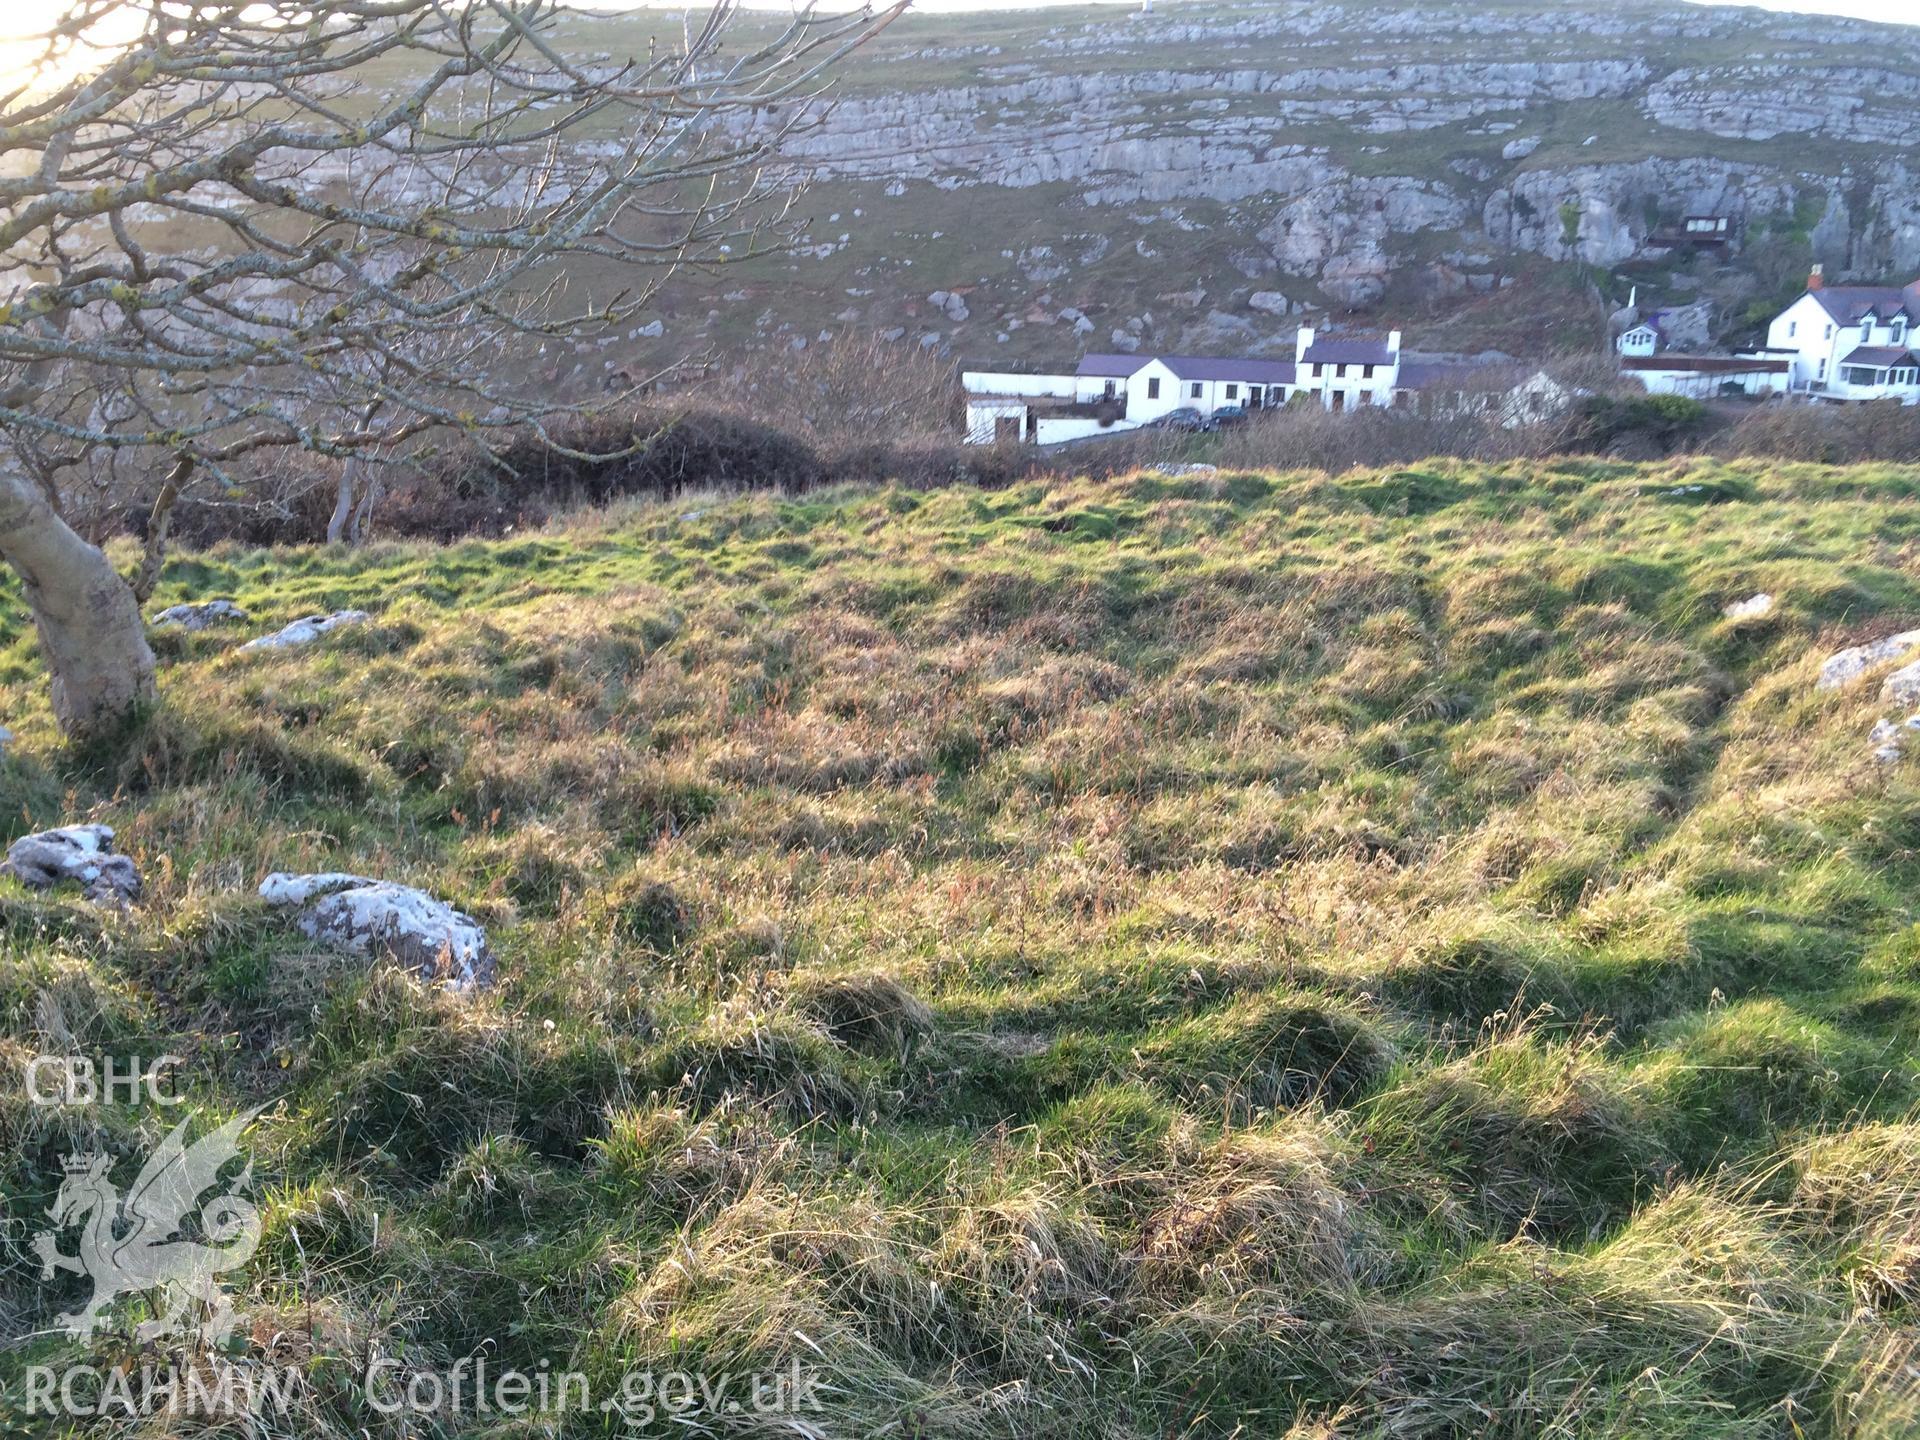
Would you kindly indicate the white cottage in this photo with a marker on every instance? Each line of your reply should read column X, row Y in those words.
column 1347, row 373
column 1850, row 342
column 1109, row 392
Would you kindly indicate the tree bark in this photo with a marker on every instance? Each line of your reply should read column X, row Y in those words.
column 159, row 522
column 342, row 505
column 90, row 628
column 363, row 513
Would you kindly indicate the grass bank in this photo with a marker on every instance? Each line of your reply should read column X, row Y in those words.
column 1252, row 954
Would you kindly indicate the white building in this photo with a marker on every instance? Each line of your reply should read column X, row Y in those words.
column 1705, row 377
column 1108, row 392
column 1645, row 357
column 1642, row 340
column 1850, row 342
column 1345, row 374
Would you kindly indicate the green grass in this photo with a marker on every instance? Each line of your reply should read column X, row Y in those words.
column 1264, row 954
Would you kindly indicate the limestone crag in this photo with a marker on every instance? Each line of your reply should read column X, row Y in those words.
column 1343, row 144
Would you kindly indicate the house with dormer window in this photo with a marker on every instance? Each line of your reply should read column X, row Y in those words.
column 1850, row 342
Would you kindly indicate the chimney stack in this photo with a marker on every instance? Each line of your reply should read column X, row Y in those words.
column 1302, row 342
column 1393, row 341
column 1817, row 279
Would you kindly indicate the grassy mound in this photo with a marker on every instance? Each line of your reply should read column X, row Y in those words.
column 1259, row 954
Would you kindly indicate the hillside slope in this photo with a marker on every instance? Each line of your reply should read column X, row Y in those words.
column 1247, row 955
column 1465, row 168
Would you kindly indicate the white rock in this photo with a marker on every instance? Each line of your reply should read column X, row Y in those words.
column 652, row 330
column 375, row 916
column 1856, row 660
column 306, row 629
column 80, row 853
column 1887, row 741
column 1903, row 685
column 1269, row 302
column 1751, row 608
column 1521, row 148
column 201, row 616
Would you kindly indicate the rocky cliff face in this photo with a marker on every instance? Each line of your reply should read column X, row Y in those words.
column 1206, row 170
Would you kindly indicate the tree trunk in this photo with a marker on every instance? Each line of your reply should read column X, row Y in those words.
column 91, row 632
column 369, row 497
column 342, row 506
column 159, row 522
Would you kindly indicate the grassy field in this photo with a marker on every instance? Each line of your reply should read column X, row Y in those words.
column 1232, row 956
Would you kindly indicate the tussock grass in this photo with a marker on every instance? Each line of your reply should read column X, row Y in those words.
column 1262, row 954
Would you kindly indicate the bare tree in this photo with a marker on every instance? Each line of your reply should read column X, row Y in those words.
column 851, row 389
column 331, row 224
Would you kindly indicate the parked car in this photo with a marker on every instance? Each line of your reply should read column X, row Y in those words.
column 1229, row 414
column 1185, row 418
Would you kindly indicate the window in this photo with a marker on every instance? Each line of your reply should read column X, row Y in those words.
column 1153, row 387
column 1829, row 334
column 1900, row 331
column 1793, row 328
column 1233, row 392
column 1366, row 372
column 1109, row 389
column 1198, row 390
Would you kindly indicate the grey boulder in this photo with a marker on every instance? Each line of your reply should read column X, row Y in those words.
column 306, row 629
column 1856, row 660
column 203, row 615
column 82, row 854
column 429, row 936
column 1903, row 685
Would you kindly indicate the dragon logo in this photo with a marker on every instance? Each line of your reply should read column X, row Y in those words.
column 134, row 1243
